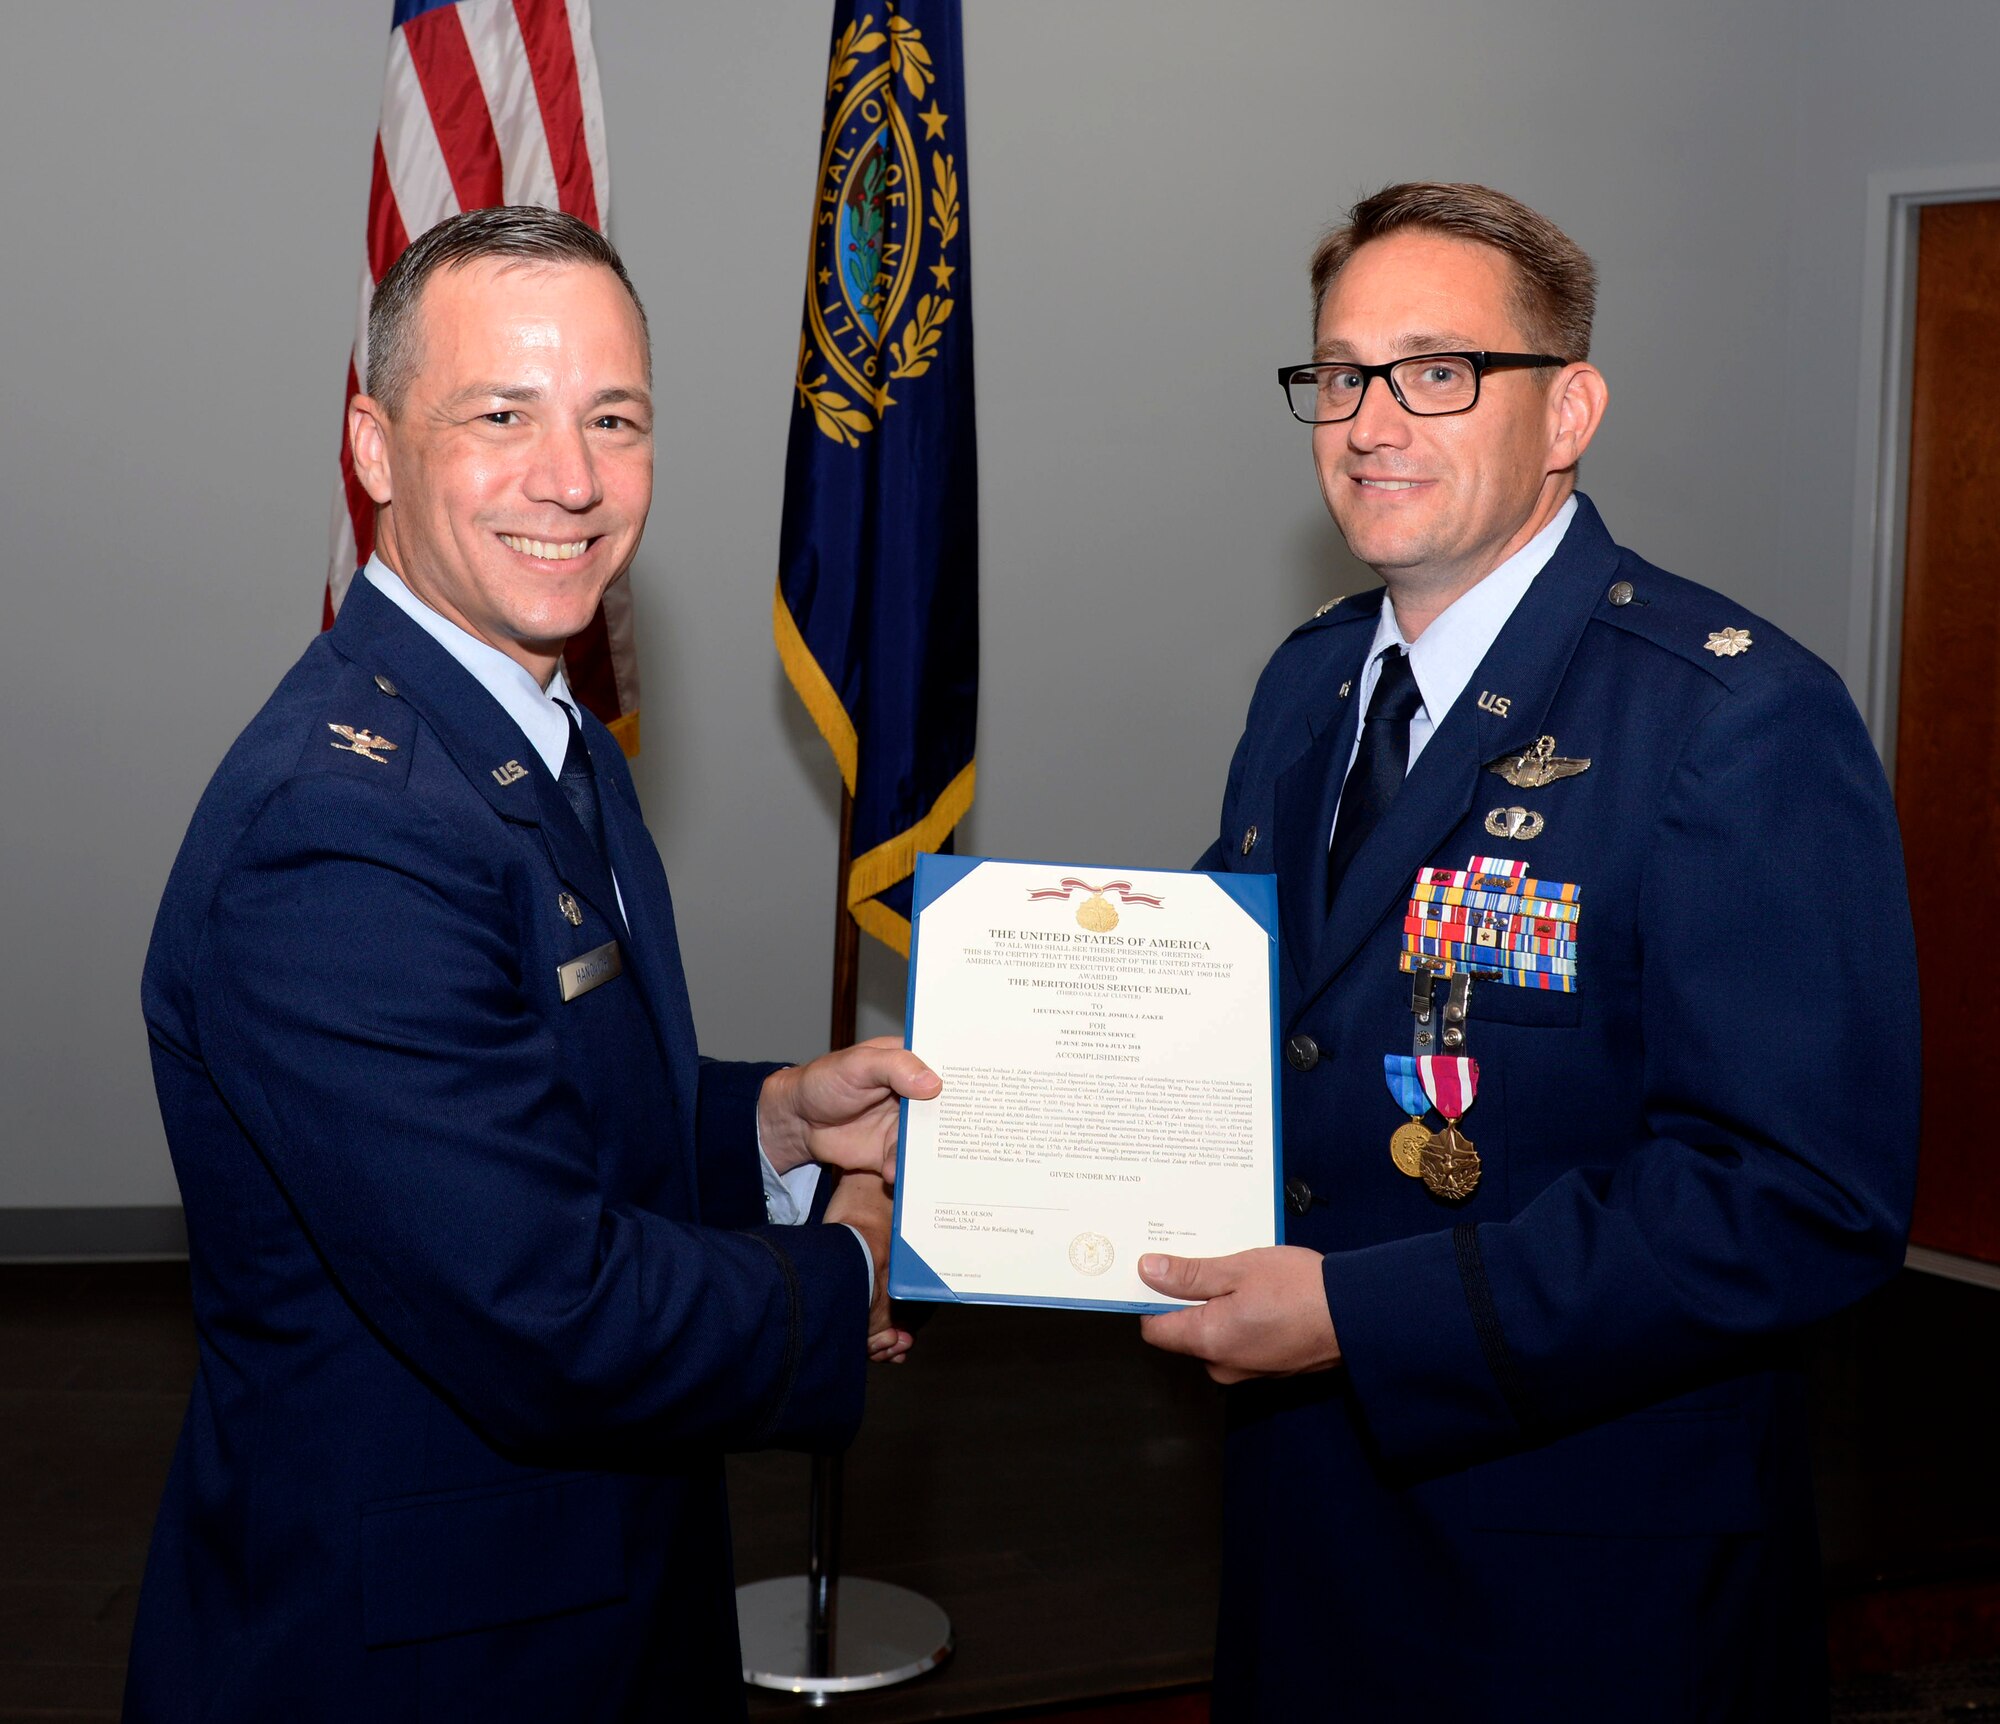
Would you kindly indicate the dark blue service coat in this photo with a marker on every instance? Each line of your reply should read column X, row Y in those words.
column 1563, row 1474
column 473, row 1336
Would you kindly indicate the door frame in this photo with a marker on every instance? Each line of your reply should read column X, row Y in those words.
column 1881, row 484
column 1882, row 451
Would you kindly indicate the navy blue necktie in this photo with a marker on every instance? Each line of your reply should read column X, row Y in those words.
column 1379, row 765
column 578, row 783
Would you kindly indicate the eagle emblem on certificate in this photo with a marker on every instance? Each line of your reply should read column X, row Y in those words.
column 1091, row 1254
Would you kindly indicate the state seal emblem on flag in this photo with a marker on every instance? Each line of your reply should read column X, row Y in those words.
column 886, row 239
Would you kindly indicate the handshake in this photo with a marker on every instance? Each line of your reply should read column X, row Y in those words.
column 1262, row 1313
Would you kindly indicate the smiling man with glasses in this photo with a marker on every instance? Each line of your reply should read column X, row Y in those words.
column 1599, row 1022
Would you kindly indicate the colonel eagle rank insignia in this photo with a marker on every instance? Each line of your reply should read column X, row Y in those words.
column 363, row 742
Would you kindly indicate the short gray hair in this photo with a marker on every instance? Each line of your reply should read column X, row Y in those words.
column 526, row 233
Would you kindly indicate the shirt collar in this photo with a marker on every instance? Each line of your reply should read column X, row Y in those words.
column 1444, row 656
column 527, row 703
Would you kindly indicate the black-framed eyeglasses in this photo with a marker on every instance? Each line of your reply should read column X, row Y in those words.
column 1427, row 384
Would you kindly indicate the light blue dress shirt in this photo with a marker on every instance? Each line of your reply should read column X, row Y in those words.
column 1444, row 656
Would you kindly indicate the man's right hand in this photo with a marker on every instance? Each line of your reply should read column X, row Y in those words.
column 862, row 1201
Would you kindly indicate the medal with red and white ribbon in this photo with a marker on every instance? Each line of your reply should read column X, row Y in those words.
column 1450, row 1166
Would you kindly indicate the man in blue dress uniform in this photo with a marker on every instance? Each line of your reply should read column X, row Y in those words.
column 1600, row 1018
column 482, row 1280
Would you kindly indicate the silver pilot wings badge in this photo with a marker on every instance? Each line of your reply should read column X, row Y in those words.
column 1537, row 766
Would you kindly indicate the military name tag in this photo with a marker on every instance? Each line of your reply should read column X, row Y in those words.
column 592, row 970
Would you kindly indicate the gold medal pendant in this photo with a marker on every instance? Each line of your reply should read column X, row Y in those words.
column 1450, row 1167
column 1406, row 1148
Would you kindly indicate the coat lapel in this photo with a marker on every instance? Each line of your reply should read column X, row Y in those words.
column 498, row 760
column 1525, row 664
column 486, row 744
column 1304, row 799
column 655, row 954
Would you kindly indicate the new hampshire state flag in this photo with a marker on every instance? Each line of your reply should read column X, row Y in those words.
column 877, row 613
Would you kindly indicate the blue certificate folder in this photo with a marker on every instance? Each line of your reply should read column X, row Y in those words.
column 910, row 1277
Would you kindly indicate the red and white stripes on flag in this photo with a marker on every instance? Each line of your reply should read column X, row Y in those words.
column 487, row 102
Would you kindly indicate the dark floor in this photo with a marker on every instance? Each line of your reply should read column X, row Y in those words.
column 1069, row 1472
column 1077, row 1570
column 94, row 1373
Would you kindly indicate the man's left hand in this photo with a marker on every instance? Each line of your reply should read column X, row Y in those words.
column 1265, row 1314
column 861, row 1201
column 840, row 1110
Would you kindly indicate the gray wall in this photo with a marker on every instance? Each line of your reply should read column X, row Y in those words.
column 184, row 214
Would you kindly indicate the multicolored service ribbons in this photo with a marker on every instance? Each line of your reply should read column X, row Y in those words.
column 1490, row 919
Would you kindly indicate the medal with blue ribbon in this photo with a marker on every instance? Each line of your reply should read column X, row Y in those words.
column 1406, row 1085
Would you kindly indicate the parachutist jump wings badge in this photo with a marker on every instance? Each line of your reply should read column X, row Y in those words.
column 1537, row 766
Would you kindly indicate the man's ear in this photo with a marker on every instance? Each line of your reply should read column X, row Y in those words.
column 1576, row 409
column 368, row 440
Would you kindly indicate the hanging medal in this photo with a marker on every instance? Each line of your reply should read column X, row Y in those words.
column 1406, row 1144
column 1450, row 1164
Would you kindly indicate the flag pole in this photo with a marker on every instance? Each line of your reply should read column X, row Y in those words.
column 823, row 1530
column 790, row 1628
column 846, row 936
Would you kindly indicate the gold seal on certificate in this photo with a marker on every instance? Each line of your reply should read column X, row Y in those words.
column 1091, row 1254
column 1108, row 1046
column 1095, row 915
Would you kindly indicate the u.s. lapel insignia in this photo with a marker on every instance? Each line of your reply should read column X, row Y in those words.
column 571, row 909
column 1249, row 839
column 1727, row 643
column 363, row 742
column 1518, row 823
column 1537, row 766
column 511, row 773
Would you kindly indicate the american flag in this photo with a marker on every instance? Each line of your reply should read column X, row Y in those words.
column 487, row 102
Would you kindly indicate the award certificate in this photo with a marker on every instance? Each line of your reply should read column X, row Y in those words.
column 1108, row 1049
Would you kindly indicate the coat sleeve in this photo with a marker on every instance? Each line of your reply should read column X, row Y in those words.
column 729, row 1164
column 1779, row 1042
column 361, row 1009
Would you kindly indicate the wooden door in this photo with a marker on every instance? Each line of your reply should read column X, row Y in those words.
column 1948, row 720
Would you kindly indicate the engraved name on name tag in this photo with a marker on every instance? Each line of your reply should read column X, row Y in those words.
column 593, row 969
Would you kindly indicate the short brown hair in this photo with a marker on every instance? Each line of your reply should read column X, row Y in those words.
column 524, row 233
column 1555, row 291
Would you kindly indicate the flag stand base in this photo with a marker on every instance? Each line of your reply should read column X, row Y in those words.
column 882, row 1635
